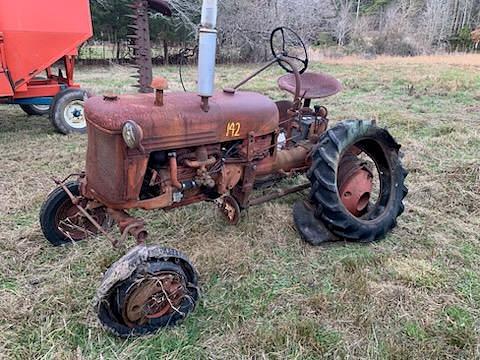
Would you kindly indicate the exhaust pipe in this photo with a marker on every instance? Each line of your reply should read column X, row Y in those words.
column 207, row 50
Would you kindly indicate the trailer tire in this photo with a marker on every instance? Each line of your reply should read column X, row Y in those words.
column 67, row 112
column 382, row 148
column 35, row 110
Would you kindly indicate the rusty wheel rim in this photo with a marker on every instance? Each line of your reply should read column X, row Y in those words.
column 230, row 210
column 355, row 182
column 71, row 223
column 154, row 297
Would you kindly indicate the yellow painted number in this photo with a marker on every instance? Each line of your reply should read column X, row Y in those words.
column 233, row 129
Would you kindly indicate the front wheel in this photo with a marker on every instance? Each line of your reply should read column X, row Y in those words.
column 67, row 113
column 357, row 181
column 61, row 221
column 146, row 290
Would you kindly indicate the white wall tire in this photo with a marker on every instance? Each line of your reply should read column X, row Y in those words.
column 67, row 113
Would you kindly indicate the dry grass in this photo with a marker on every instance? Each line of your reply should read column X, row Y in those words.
column 266, row 294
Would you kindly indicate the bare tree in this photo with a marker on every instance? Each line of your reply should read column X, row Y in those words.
column 187, row 11
column 343, row 21
column 245, row 25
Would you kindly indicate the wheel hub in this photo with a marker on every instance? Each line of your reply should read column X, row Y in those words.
column 153, row 298
column 230, row 209
column 355, row 184
column 74, row 115
column 74, row 225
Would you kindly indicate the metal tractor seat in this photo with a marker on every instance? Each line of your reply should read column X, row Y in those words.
column 313, row 85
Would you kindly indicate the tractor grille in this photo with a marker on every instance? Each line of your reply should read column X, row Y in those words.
column 106, row 171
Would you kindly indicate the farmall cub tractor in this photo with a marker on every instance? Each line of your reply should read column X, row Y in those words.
column 166, row 150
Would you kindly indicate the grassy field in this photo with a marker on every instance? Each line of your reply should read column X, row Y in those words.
column 266, row 294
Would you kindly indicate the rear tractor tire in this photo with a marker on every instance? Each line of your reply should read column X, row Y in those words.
column 148, row 289
column 373, row 219
column 61, row 221
column 67, row 112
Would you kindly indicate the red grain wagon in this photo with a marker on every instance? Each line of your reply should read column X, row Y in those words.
column 35, row 35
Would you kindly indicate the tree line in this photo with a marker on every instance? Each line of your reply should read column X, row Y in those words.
column 395, row 27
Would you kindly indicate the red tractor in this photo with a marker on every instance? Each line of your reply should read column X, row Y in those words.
column 167, row 150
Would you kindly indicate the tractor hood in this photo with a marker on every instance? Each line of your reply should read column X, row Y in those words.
column 181, row 122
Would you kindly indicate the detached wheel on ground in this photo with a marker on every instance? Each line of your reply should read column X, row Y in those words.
column 148, row 289
column 357, row 181
column 67, row 113
column 61, row 221
column 36, row 110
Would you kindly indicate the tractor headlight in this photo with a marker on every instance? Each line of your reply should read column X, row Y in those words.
column 132, row 134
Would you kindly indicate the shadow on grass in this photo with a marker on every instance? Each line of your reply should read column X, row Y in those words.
column 14, row 120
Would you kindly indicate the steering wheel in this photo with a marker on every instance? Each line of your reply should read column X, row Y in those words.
column 285, row 36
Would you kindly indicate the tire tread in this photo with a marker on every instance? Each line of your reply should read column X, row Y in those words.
column 323, row 176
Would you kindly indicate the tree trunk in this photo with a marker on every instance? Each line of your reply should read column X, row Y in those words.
column 165, row 52
column 455, row 17
column 119, row 43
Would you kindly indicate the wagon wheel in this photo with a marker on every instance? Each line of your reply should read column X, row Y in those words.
column 35, row 110
column 67, row 113
column 61, row 221
column 348, row 158
column 148, row 289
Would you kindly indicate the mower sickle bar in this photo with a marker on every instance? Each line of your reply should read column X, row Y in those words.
column 140, row 40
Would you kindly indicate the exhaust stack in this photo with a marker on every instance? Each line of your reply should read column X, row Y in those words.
column 207, row 50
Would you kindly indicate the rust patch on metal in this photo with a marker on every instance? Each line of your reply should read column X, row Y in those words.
column 128, row 226
column 153, row 298
column 230, row 209
column 313, row 85
column 355, row 183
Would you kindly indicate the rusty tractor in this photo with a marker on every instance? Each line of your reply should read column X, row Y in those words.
column 171, row 149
